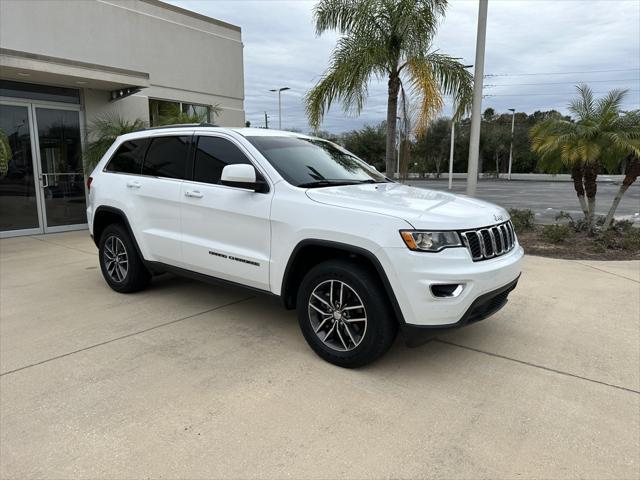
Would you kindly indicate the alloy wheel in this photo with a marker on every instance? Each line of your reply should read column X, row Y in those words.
column 116, row 259
column 337, row 315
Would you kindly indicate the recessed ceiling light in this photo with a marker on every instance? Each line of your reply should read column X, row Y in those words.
column 22, row 74
column 81, row 82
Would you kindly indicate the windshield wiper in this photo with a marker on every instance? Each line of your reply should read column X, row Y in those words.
column 328, row 183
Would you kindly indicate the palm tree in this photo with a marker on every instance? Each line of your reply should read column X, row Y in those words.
column 598, row 135
column 102, row 133
column 389, row 40
column 631, row 174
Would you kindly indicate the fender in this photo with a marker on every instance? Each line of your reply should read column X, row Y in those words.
column 350, row 249
column 125, row 220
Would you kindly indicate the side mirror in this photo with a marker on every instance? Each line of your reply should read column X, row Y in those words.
column 241, row 175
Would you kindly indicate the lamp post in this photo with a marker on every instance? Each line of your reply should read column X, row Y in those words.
column 513, row 124
column 279, row 90
column 399, row 142
column 476, row 110
column 453, row 132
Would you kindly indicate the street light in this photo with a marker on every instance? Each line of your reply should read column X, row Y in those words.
column 513, row 124
column 476, row 110
column 279, row 90
column 453, row 132
column 399, row 133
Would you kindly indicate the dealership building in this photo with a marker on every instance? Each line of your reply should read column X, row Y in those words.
column 64, row 64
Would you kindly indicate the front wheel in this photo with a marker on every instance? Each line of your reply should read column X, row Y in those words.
column 344, row 314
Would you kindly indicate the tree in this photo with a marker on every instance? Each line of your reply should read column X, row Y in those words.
column 389, row 40
column 598, row 135
column 368, row 143
column 101, row 134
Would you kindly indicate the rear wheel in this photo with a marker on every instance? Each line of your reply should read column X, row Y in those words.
column 121, row 266
column 344, row 314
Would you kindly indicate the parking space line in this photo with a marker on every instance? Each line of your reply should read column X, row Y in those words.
column 127, row 336
column 541, row 367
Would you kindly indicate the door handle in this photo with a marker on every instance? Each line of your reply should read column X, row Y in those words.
column 134, row 184
column 45, row 180
column 193, row 194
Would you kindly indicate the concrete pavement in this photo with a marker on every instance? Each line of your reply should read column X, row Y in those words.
column 188, row 380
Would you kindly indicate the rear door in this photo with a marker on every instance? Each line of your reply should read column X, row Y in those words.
column 226, row 231
column 157, row 198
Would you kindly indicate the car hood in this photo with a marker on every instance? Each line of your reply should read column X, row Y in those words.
column 422, row 208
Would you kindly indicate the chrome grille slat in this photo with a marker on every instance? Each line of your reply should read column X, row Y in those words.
column 489, row 242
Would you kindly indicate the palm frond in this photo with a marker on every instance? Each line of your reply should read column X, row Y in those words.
column 101, row 134
column 353, row 62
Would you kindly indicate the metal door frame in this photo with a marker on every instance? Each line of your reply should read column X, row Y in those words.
column 31, row 106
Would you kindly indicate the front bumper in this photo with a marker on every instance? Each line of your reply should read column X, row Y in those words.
column 484, row 306
column 412, row 274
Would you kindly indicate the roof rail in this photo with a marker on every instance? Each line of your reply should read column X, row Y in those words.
column 183, row 125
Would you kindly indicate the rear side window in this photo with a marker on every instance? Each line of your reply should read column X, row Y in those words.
column 167, row 157
column 212, row 155
column 128, row 157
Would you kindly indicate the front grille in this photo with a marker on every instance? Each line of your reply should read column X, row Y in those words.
column 489, row 242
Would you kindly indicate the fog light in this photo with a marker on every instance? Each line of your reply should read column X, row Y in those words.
column 447, row 290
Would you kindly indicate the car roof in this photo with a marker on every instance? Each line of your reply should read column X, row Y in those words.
column 201, row 128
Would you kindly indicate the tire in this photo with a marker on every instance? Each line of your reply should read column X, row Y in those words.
column 131, row 275
column 342, row 338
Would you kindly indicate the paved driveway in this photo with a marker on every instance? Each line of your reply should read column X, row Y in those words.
column 195, row 381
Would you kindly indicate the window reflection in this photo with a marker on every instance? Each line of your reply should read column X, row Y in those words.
column 18, row 207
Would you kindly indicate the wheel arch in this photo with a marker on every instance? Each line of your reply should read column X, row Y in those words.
column 105, row 216
column 310, row 252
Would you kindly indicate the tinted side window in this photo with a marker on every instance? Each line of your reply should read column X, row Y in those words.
column 212, row 154
column 167, row 157
column 128, row 157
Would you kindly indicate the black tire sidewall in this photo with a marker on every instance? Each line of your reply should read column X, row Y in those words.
column 137, row 275
column 381, row 326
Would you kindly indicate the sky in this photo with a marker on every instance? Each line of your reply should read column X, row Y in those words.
column 536, row 52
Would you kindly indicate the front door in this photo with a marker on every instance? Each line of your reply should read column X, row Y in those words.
column 226, row 231
column 41, row 176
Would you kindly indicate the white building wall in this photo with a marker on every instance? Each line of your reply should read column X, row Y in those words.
column 188, row 57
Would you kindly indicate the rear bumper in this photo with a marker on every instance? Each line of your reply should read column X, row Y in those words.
column 482, row 307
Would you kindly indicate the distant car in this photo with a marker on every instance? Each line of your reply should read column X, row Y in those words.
column 355, row 253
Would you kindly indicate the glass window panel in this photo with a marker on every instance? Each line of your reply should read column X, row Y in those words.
column 212, row 155
column 167, row 157
column 39, row 92
column 18, row 204
column 128, row 157
column 61, row 161
column 162, row 112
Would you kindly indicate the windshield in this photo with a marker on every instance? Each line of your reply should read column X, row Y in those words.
column 307, row 162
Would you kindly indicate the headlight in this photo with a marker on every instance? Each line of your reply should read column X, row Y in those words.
column 430, row 241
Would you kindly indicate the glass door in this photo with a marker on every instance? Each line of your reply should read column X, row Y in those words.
column 60, row 167
column 19, row 197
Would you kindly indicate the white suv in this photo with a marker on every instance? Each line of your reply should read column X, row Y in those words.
column 301, row 218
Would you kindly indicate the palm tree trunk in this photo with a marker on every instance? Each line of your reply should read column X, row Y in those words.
column 392, row 111
column 632, row 171
column 577, row 174
column 591, row 188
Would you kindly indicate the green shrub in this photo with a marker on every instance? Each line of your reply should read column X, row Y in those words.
column 581, row 225
column 631, row 239
column 522, row 219
column 557, row 233
column 621, row 237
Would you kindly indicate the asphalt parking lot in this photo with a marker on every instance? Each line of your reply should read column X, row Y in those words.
column 189, row 380
column 546, row 199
